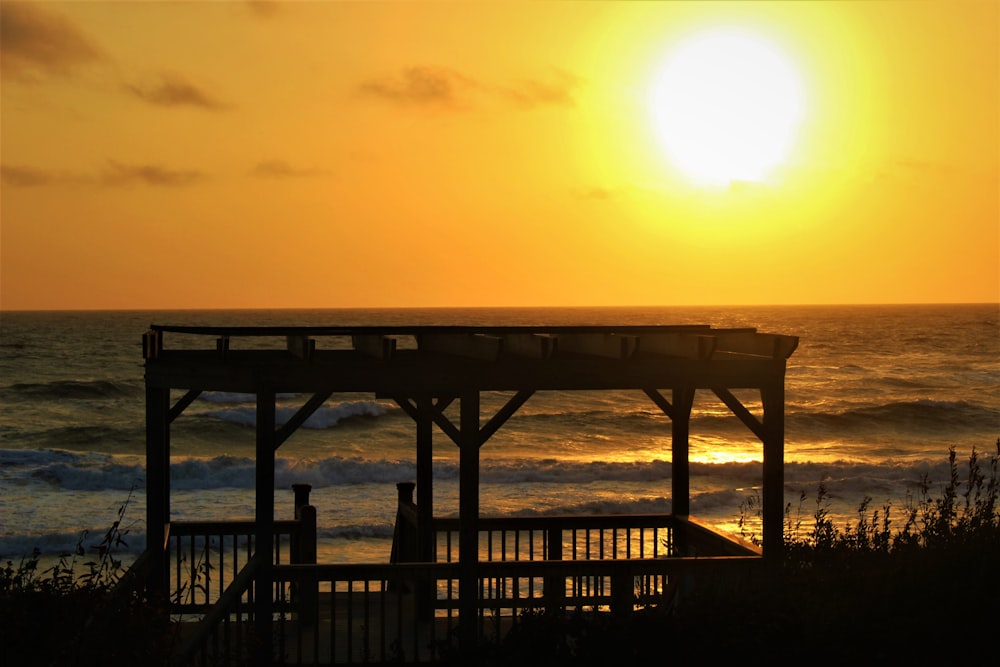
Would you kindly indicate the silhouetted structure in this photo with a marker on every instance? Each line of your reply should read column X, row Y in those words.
column 497, row 566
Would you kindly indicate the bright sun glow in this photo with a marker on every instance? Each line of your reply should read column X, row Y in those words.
column 726, row 106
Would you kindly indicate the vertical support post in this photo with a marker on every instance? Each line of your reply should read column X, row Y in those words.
column 680, row 428
column 426, row 537
column 301, row 491
column 425, row 481
column 264, row 520
column 555, row 585
column 308, row 592
column 680, row 495
column 157, row 488
column 468, row 516
column 773, row 495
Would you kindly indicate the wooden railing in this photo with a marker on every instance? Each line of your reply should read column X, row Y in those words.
column 224, row 635
column 371, row 613
column 205, row 557
column 610, row 537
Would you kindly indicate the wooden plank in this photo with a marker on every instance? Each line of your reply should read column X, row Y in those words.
column 684, row 345
column 375, row 345
column 773, row 346
column 152, row 344
column 473, row 346
column 611, row 346
column 533, row 346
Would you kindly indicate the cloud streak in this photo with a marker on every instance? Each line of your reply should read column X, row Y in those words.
column 443, row 87
column 281, row 169
column 20, row 176
column 120, row 174
column 173, row 90
column 532, row 93
column 34, row 40
column 422, row 86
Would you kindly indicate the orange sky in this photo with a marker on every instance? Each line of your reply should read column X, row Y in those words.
column 326, row 154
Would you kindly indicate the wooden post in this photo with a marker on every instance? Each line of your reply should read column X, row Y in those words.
column 622, row 589
column 680, row 428
column 425, row 481
column 555, row 585
column 301, row 492
column 426, row 537
column 264, row 519
column 773, row 494
column 157, row 489
column 308, row 592
column 468, row 516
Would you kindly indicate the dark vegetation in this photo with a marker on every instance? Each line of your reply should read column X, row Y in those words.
column 923, row 587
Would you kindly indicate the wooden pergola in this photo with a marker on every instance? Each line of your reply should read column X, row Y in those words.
column 426, row 369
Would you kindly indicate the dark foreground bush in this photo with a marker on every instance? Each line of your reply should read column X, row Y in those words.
column 79, row 611
column 927, row 592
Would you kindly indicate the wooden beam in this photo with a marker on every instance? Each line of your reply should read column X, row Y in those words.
column 532, row 346
column 612, row 346
column 683, row 345
column 741, row 411
column 375, row 345
column 773, row 346
column 505, row 413
column 302, row 347
column 300, row 417
column 473, row 346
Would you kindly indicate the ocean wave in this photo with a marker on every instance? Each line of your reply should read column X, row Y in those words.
column 80, row 437
column 16, row 547
column 69, row 389
column 235, row 397
column 920, row 415
column 97, row 472
column 323, row 418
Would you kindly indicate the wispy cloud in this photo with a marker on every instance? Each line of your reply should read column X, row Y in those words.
column 20, row 176
column 263, row 8
column 422, row 86
column 433, row 86
column 281, row 169
column 594, row 192
column 531, row 93
column 119, row 174
column 36, row 41
column 173, row 90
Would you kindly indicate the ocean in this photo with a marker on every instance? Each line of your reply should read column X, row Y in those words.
column 875, row 397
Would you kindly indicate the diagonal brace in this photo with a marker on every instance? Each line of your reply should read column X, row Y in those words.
column 505, row 413
column 661, row 402
column 299, row 418
column 182, row 404
column 740, row 411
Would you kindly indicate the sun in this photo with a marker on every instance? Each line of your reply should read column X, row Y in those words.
column 726, row 106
